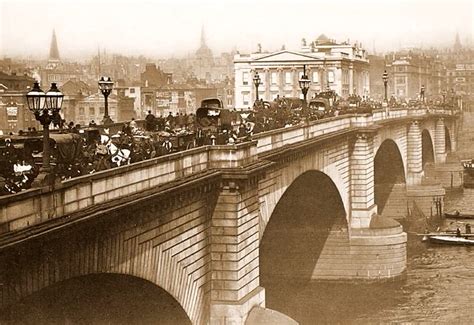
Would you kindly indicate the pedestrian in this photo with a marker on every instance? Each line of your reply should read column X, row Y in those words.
column 167, row 145
column 150, row 122
column 468, row 228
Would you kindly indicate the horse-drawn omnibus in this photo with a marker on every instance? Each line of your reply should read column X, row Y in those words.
column 212, row 116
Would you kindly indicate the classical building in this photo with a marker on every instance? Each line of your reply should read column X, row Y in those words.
column 341, row 67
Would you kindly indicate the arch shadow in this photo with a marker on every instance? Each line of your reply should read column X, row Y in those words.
column 299, row 227
column 427, row 148
column 447, row 140
column 102, row 298
column 388, row 171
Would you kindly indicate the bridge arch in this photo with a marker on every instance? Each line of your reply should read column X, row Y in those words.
column 427, row 148
column 389, row 172
column 118, row 248
column 98, row 298
column 299, row 226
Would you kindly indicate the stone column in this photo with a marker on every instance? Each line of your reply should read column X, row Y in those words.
column 362, row 181
column 235, row 283
column 267, row 84
column 281, row 81
column 440, row 141
column 414, row 154
column 453, row 135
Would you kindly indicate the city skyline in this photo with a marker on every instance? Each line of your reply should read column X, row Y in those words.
column 143, row 28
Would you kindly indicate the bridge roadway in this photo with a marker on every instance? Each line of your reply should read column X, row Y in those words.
column 193, row 222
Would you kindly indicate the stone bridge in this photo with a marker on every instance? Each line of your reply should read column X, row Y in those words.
column 209, row 225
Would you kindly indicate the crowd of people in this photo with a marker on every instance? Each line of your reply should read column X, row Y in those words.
column 94, row 148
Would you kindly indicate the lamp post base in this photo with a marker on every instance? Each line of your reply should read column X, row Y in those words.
column 107, row 120
column 45, row 179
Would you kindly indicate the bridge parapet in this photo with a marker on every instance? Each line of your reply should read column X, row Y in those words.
column 35, row 206
column 38, row 205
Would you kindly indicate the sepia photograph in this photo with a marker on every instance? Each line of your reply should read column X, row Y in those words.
column 236, row 162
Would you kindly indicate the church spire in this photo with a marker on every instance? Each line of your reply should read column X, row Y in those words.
column 53, row 51
column 203, row 37
column 457, row 42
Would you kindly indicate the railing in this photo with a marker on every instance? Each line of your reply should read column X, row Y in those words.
column 36, row 205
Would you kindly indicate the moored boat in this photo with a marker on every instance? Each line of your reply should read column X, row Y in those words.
column 458, row 215
column 450, row 240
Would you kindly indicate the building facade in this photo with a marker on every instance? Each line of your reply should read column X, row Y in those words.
column 341, row 67
column 411, row 70
column 14, row 112
column 93, row 107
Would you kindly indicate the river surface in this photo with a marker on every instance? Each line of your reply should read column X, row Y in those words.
column 439, row 287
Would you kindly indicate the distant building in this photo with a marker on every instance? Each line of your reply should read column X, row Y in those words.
column 14, row 112
column 376, row 70
column 133, row 91
column 182, row 98
column 155, row 77
column 341, row 67
column 93, row 107
column 225, row 92
column 74, row 92
column 409, row 70
column 56, row 70
column 459, row 63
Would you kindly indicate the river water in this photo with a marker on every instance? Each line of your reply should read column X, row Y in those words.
column 439, row 287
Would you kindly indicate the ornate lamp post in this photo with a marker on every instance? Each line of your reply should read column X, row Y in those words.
column 257, row 82
column 385, row 82
column 106, row 85
column 46, row 108
column 444, row 96
column 422, row 93
column 304, row 85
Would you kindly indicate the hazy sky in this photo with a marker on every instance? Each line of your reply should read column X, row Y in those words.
column 162, row 28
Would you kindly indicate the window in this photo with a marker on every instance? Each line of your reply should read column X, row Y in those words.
column 132, row 90
column 91, row 111
column 330, row 76
column 81, row 111
column 12, row 113
column 245, row 99
column 400, row 80
column 315, row 77
column 245, row 78
column 274, row 78
column 229, row 102
column 102, row 110
column 288, row 77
